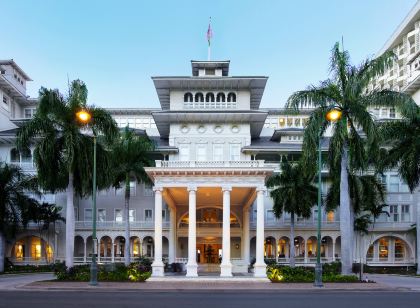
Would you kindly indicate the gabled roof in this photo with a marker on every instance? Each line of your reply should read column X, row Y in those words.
column 16, row 67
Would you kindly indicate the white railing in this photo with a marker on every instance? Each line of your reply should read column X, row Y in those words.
column 209, row 225
column 30, row 261
column 181, row 260
column 302, row 223
column 119, row 225
column 210, row 164
column 27, row 166
column 392, row 225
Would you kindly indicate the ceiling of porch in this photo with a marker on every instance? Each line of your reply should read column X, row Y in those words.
column 210, row 196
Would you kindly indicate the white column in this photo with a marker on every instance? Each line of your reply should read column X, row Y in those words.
column 226, row 266
column 418, row 231
column 245, row 236
column 84, row 249
column 157, row 265
column 260, row 266
column 192, row 233
column 112, row 250
column 172, row 234
column 333, row 249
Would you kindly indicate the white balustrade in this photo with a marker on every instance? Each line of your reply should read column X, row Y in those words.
column 210, row 164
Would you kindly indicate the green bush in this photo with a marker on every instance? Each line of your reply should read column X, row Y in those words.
column 331, row 272
column 33, row 268
column 119, row 272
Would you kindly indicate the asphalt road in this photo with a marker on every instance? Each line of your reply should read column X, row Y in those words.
column 213, row 299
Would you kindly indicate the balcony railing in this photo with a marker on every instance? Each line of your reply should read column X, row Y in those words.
column 26, row 166
column 210, row 164
column 302, row 223
column 117, row 225
column 210, row 225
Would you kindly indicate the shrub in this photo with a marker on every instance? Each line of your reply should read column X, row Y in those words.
column 280, row 273
column 119, row 272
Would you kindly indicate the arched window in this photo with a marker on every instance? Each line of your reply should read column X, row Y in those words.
column 209, row 97
column 188, row 97
column 26, row 155
column 199, row 97
column 220, row 97
column 231, row 97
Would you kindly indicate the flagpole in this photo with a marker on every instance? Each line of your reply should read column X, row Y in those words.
column 208, row 53
column 209, row 36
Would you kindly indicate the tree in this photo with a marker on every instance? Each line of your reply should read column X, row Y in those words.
column 14, row 203
column 130, row 155
column 404, row 137
column 355, row 134
column 294, row 193
column 63, row 153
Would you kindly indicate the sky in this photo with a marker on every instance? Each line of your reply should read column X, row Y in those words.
column 116, row 46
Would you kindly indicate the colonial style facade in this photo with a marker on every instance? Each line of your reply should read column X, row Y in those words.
column 209, row 209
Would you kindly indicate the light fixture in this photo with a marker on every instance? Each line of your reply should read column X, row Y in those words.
column 83, row 116
column 334, row 115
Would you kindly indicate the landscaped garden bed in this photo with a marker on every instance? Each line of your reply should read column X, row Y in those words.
column 330, row 273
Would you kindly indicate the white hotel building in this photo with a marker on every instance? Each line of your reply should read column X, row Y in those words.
column 215, row 149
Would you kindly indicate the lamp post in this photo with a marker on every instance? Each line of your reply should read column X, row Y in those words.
column 332, row 116
column 85, row 117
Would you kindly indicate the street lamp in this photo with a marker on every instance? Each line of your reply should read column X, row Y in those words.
column 84, row 117
column 332, row 116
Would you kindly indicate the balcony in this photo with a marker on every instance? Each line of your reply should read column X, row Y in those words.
column 25, row 166
column 119, row 225
column 304, row 224
column 210, row 164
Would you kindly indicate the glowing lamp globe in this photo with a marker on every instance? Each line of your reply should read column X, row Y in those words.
column 334, row 115
column 83, row 116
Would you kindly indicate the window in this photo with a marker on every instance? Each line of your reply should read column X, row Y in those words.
column 88, row 214
column 393, row 211
column 210, row 71
column 163, row 215
column 132, row 215
column 376, row 112
column 188, row 97
column 235, row 152
column 282, row 122
column 394, row 183
column 231, row 97
column 29, row 113
column 220, row 97
column 405, row 212
column 392, row 113
column 384, row 113
column 330, row 216
column 201, row 154
column 209, row 97
column 199, row 97
column 383, row 249
column 399, row 249
column 148, row 215
column 76, row 214
column 118, row 215
column 218, row 152
column 5, row 102
column 147, row 190
column 132, row 188
column 101, row 215
column 184, row 152
column 270, row 215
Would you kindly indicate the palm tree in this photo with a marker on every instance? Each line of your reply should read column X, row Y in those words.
column 404, row 137
column 130, row 155
column 354, row 135
column 14, row 203
column 63, row 154
column 293, row 193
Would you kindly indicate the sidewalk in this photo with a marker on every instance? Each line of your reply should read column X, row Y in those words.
column 248, row 285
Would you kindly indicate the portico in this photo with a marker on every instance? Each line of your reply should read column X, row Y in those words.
column 232, row 187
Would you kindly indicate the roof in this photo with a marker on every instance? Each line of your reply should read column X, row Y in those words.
column 284, row 131
column 163, row 119
column 16, row 67
column 255, row 84
column 405, row 26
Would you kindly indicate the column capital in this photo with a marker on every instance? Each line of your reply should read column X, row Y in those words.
column 262, row 189
column 157, row 188
column 192, row 188
column 226, row 188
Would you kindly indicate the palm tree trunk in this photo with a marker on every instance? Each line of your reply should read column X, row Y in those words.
column 346, row 227
column 127, row 222
column 2, row 251
column 292, row 240
column 70, row 222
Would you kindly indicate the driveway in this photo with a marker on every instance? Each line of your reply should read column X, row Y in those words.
column 397, row 281
column 12, row 281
